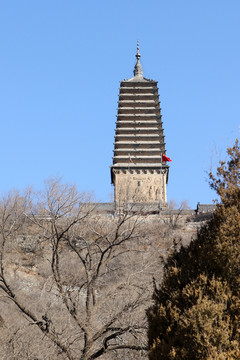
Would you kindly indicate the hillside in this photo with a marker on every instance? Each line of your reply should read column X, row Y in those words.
column 81, row 284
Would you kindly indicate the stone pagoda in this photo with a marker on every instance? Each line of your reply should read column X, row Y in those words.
column 138, row 173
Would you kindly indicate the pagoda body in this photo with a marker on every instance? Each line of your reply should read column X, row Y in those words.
column 138, row 173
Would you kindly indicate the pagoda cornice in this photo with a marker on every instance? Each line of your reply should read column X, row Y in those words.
column 139, row 87
column 140, row 166
column 139, row 143
column 141, row 115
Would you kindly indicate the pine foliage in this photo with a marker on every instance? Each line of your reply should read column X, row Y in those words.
column 196, row 310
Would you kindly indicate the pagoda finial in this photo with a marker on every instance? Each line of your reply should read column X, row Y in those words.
column 138, row 67
column 138, row 55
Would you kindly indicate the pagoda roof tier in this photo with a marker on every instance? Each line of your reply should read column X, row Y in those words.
column 139, row 85
column 137, row 157
column 140, row 155
column 141, row 166
column 135, row 128
column 139, row 115
column 136, row 133
column 139, row 146
column 137, row 151
column 138, row 108
column 137, row 105
column 139, row 134
column 148, row 143
column 138, row 91
column 142, row 126
column 149, row 139
column 136, row 119
column 152, row 101
column 153, row 94
column 139, row 143
column 142, row 121
column 137, row 122
column 146, row 163
column 135, row 112
column 145, row 82
column 141, row 97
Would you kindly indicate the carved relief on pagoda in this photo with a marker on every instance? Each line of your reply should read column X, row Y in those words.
column 140, row 187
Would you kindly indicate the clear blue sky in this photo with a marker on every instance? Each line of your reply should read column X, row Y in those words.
column 60, row 67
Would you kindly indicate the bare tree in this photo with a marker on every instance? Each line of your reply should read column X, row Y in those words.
column 75, row 283
column 176, row 213
column 89, row 300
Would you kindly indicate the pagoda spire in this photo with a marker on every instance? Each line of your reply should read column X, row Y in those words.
column 138, row 72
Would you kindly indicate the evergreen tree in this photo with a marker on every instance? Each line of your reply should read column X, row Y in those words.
column 196, row 310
